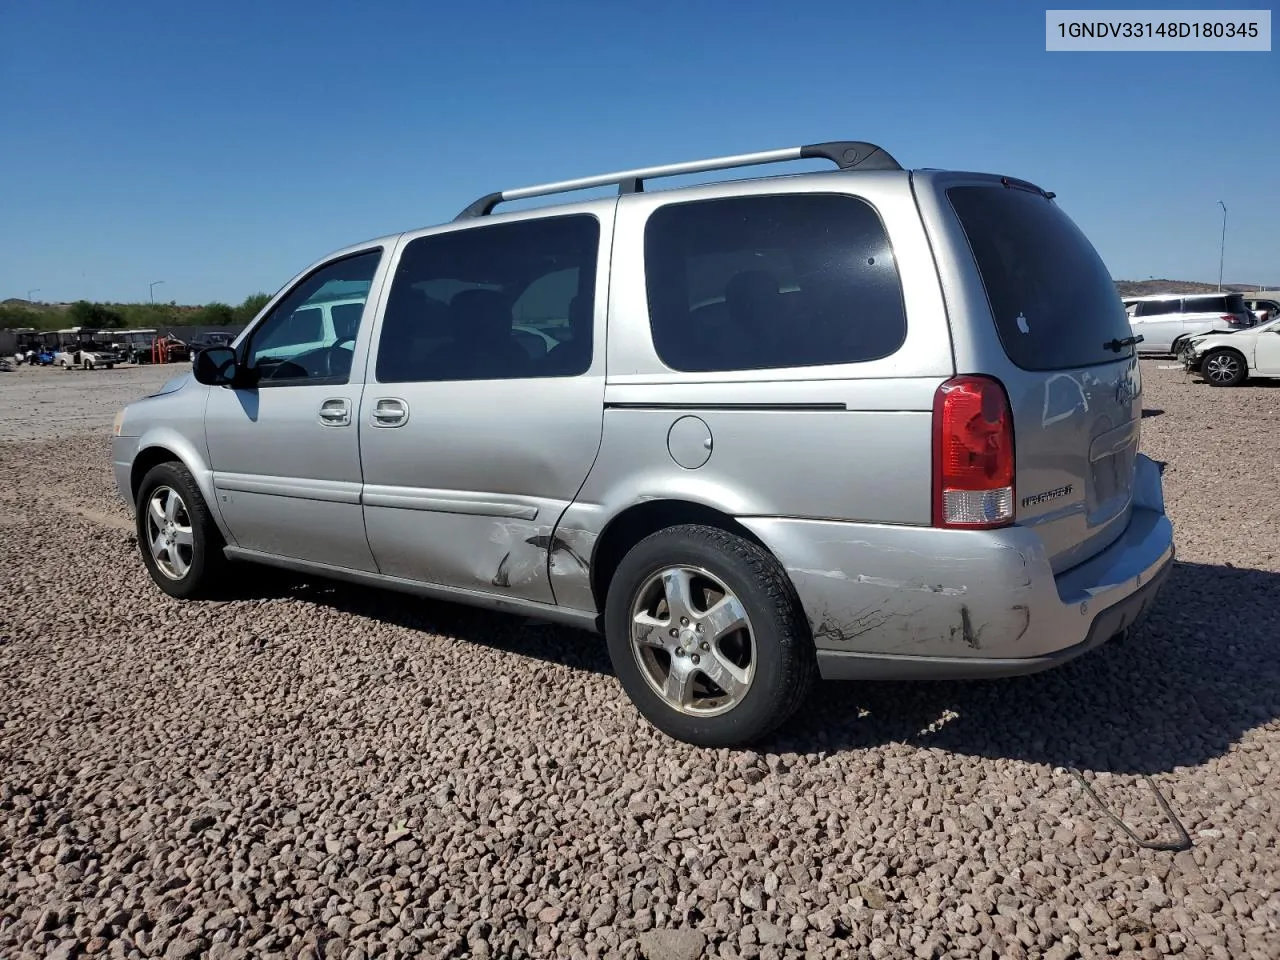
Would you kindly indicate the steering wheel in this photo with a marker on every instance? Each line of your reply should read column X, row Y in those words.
column 319, row 363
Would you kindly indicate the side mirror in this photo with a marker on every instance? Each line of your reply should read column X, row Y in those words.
column 216, row 367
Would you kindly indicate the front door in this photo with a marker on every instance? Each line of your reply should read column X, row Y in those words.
column 1266, row 353
column 285, row 450
column 484, row 405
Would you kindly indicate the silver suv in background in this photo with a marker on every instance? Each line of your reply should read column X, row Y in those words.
column 1265, row 304
column 868, row 423
column 1165, row 320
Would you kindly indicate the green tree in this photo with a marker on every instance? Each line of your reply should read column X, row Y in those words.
column 250, row 307
column 95, row 315
column 214, row 315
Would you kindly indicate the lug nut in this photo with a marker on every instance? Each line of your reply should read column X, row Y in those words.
column 704, row 645
column 674, row 632
column 695, row 658
column 684, row 621
column 698, row 628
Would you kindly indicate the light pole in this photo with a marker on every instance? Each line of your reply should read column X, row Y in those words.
column 152, row 289
column 31, row 292
column 1222, row 251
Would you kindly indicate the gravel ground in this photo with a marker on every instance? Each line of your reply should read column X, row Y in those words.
column 311, row 770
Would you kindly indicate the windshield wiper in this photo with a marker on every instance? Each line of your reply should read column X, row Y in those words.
column 1117, row 344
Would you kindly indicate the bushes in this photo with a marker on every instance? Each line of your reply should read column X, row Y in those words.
column 108, row 316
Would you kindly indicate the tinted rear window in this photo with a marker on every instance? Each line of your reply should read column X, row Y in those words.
column 760, row 282
column 1053, row 300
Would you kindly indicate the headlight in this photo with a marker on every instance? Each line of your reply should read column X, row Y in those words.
column 118, row 424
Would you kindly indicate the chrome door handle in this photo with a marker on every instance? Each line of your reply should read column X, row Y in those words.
column 335, row 412
column 390, row 412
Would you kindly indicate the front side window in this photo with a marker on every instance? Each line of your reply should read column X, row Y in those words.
column 309, row 336
column 496, row 302
column 765, row 282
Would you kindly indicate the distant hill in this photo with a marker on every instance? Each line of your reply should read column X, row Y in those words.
column 1142, row 288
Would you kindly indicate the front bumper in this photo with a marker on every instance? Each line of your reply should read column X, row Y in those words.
column 123, row 450
column 897, row 602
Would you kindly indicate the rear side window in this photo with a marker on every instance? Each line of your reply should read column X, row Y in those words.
column 764, row 282
column 1205, row 305
column 1053, row 300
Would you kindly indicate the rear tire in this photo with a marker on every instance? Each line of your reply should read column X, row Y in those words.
column 180, row 544
column 1224, row 368
column 741, row 660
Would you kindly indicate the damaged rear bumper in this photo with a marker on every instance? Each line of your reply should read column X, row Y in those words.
column 898, row 602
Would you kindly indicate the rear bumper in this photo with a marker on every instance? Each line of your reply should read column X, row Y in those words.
column 1108, row 624
column 918, row 603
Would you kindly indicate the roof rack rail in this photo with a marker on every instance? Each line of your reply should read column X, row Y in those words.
column 845, row 154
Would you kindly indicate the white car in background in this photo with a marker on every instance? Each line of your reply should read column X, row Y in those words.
column 1164, row 320
column 90, row 360
column 1228, row 359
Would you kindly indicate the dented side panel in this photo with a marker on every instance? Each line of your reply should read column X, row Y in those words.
column 466, row 492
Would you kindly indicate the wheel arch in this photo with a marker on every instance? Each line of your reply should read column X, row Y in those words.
column 629, row 526
column 168, row 446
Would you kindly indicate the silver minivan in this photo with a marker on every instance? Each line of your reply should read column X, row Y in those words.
column 869, row 423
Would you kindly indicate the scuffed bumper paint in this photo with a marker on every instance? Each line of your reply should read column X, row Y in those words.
column 898, row 601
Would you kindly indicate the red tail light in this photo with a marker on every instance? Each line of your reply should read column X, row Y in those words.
column 972, row 454
column 1233, row 320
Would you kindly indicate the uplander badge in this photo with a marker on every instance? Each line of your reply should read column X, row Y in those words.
column 1036, row 499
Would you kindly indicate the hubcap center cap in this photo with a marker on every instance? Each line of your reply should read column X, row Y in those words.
column 688, row 640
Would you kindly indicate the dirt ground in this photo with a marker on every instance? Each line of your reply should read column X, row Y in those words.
column 45, row 402
column 311, row 770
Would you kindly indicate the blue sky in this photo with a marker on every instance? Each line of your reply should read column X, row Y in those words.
column 223, row 147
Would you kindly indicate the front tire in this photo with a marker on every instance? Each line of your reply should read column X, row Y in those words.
column 1224, row 368
column 707, row 637
column 180, row 544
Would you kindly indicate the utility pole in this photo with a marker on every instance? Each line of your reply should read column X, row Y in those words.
column 1222, row 251
column 32, row 292
column 152, row 290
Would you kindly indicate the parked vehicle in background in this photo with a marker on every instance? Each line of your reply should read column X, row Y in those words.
column 1265, row 306
column 1162, row 320
column 1229, row 359
column 88, row 359
column 872, row 424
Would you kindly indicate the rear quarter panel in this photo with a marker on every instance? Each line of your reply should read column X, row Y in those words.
column 841, row 441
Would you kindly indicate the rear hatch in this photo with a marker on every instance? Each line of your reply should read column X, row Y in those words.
column 1074, row 383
